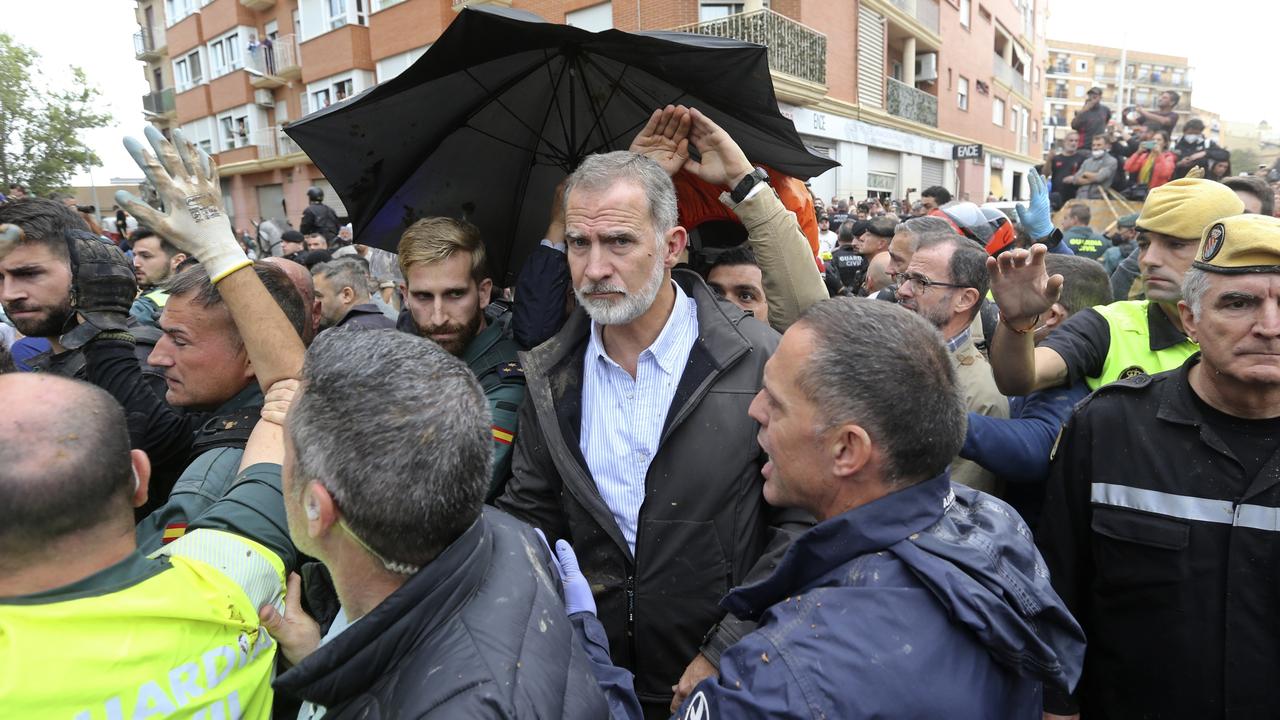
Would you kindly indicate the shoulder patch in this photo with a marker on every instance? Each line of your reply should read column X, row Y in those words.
column 511, row 369
column 1132, row 377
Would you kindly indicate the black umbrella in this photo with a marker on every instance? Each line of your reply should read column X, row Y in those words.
column 504, row 105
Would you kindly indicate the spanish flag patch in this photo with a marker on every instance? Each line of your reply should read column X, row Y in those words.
column 172, row 532
column 502, row 435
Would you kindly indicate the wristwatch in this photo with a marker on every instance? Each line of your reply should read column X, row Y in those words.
column 739, row 192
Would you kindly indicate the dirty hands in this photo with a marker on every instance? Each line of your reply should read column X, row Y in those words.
column 186, row 179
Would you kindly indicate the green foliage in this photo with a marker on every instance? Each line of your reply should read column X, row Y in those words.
column 40, row 122
column 1245, row 160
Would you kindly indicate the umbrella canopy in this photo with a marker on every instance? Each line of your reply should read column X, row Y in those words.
column 504, row 105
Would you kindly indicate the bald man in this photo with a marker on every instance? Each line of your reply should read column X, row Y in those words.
column 71, row 576
column 301, row 278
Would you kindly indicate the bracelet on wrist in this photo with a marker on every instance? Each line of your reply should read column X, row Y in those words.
column 1034, row 323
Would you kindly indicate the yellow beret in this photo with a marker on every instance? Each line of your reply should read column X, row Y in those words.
column 1241, row 244
column 1185, row 207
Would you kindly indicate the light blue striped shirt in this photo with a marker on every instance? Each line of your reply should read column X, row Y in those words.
column 622, row 417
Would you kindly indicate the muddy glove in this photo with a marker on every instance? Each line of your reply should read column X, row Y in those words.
column 1036, row 220
column 194, row 222
column 102, row 288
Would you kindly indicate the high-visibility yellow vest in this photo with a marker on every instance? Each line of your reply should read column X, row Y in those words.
column 183, row 642
column 159, row 297
column 1130, row 352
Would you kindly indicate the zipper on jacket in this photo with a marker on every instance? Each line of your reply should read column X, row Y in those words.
column 631, row 605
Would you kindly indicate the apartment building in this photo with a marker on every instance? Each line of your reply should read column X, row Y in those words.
column 1127, row 78
column 899, row 91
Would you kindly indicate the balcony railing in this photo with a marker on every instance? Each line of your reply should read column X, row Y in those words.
column 924, row 11
column 144, row 44
column 158, row 103
column 911, row 103
column 272, row 142
column 794, row 49
column 1005, row 73
column 273, row 62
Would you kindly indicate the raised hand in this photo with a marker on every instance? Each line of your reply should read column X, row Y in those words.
column 664, row 139
column 723, row 162
column 103, row 290
column 186, row 179
column 1022, row 287
column 1036, row 218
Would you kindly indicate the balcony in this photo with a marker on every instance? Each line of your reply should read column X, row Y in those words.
column 145, row 47
column 258, row 5
column 910, row 103
column 797, row 53
column 272, row 142
column 925, row 12
column 1058, row 69
column 272, row 63
column 159, row 104
column 1010, row 78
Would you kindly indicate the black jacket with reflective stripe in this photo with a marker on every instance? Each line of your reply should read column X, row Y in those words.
column 1167, row 555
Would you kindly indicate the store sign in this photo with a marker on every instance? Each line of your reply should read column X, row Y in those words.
column 966, row 152
column 997, row 162
column 824, row 125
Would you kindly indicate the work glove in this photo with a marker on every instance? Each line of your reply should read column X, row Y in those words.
column 102, row 288
column 1036, row 220
column 10, row 236
column 186, row 180
column 577, row 591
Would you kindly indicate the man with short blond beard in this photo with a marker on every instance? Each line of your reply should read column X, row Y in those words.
column 446, row 289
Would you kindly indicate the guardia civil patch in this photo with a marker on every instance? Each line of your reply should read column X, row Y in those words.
column 1214, row 241
column 1131, row 372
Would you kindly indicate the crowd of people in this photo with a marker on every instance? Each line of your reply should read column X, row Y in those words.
column 876, row 459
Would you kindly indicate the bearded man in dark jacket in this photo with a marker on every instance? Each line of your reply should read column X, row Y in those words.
column 639, row 450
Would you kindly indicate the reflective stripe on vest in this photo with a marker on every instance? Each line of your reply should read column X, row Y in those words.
column 1130, row 351
column 159, row 297
column 1186, row 507
column 184, row 642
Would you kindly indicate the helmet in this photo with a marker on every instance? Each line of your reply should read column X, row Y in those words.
column 315, row 194
column 988, row 227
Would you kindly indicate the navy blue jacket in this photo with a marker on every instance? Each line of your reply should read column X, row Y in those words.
column 929, row 602
column 1017, row 448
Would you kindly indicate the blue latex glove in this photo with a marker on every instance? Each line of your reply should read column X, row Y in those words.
column 577, row 592
column 1037, row 219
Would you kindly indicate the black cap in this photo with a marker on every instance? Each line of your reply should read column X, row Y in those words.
column 291, row 236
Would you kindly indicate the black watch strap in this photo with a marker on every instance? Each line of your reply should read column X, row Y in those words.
column 739, row 192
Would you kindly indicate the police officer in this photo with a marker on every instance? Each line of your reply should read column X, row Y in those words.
column 847, row 268
column 318, row 217
column 1100, row 345
column 447, row 289
column 1164, row 503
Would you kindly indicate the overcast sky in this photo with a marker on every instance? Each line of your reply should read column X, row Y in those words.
column 1231, row 45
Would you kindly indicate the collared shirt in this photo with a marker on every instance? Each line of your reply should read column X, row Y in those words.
column 623, row 417
column 958, row 341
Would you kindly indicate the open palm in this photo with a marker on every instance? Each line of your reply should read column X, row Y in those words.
column 665, row 138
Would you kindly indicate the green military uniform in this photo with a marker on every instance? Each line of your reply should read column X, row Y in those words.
column 207, row 479
column 492, row 357
column 174, row 634
column 147, row 308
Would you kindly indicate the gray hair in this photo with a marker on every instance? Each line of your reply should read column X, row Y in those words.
column 401, row 439
column 905, row 393
column 603, row 171
column 1195, row 283
column 346, row 271
column 914, row 228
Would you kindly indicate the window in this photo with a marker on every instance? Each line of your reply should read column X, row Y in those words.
column 997, row 111
column 1082, row 66
column 966, row 12
column 197, row 132
column 176, row 10
column 323, row 93
column 187, row 71
column 233, row 131
column 962, row 93
column 716, row 10
column 390, row 67
column 594, row 18
column 1015, row 113
column 1079, row 91
column 342, row 12
column 226, row 53
column 384, row 4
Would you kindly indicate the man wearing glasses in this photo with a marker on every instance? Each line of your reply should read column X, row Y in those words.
column 944, row 283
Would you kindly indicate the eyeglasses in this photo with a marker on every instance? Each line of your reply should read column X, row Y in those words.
column 922, row 282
